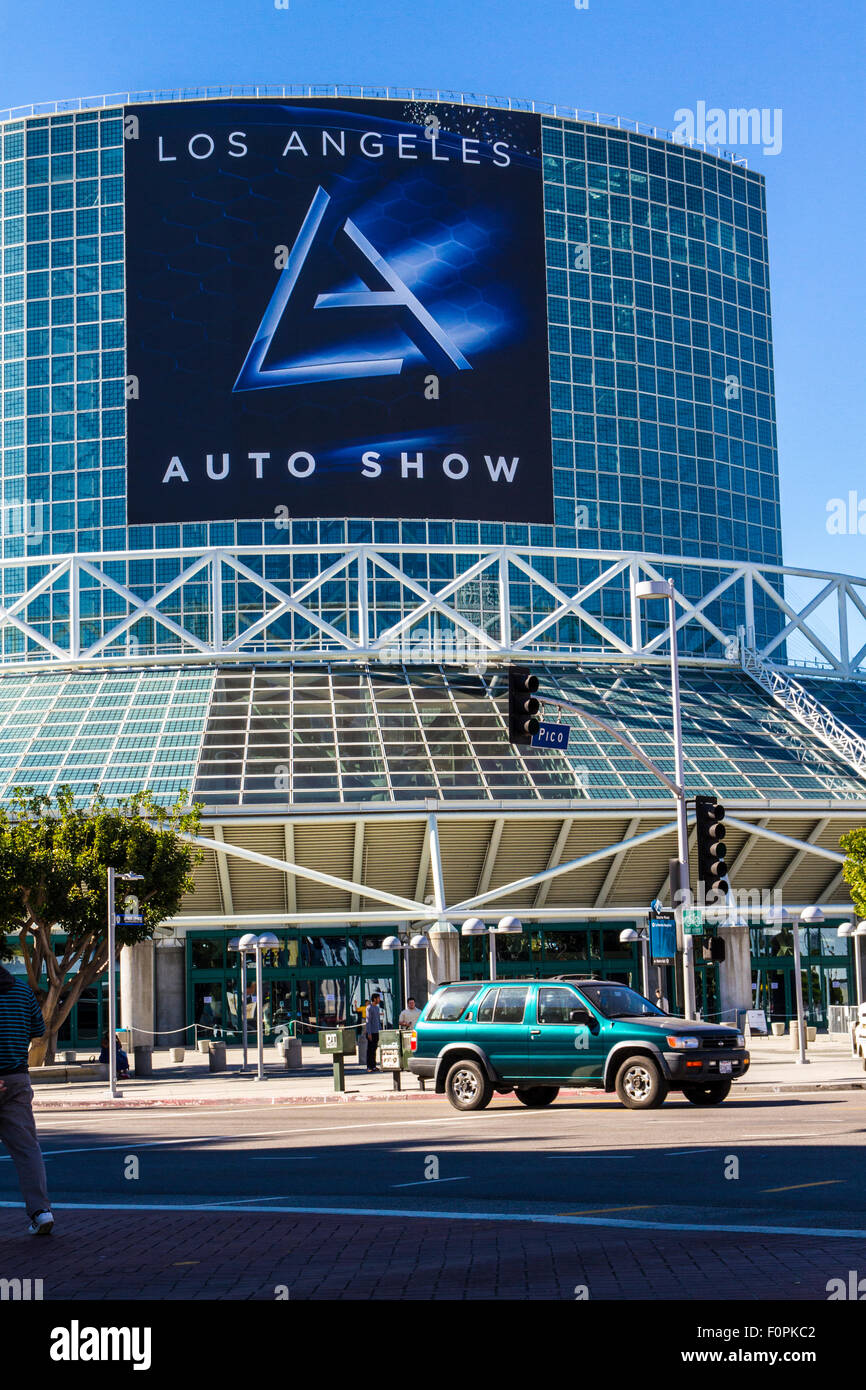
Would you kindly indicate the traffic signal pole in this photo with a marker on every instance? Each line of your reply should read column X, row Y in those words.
column 677, row 787
column 684, row 943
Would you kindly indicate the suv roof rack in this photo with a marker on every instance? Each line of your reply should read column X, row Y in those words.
column 595, row 978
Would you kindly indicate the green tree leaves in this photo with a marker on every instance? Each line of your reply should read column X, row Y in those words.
column 54, row 857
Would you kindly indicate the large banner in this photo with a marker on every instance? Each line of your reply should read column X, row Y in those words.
column 335, row 308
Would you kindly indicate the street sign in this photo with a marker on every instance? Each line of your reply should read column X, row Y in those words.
column 693, row 921
column 128, row 919
column 663, row 938
column 551, row 736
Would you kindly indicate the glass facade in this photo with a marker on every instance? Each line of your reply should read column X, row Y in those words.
column 660, row 352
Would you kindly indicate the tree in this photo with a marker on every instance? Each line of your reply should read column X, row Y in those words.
column 54, row 858
column 854, row 868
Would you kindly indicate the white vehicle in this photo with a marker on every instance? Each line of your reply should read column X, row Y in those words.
column 860, row 1035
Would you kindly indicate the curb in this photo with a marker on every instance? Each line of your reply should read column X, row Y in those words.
column 760, row 1088
column 253, row 1102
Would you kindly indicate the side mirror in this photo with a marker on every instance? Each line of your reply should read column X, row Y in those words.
column 582, row 1018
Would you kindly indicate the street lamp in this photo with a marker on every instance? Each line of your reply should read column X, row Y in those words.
column 506, row 926
column 846, row 929
column 628, row 936
column 133, row 918
column 266, row 942
column 664, row 589
column 246, row 944
column 402, row 941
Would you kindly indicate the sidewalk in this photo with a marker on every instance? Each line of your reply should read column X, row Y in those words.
column 191, row 1083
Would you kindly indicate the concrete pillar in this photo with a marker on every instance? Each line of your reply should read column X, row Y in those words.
column 735, row 973
column 137, row 992
column 418, row 979
column 443, row 957
column 171, row 995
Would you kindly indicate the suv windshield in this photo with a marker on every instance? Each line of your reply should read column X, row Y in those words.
column 449, row 1005
column 618, row 1001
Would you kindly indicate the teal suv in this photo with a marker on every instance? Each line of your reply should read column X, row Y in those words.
column 533, row 1037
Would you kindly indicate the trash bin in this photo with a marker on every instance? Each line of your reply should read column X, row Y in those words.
column 216, row 1056
column 143, row 1061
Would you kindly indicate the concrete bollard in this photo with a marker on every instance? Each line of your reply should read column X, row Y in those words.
column 177, row 1054
column 292, row 1054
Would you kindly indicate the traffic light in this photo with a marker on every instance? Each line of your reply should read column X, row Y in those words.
column 712, row 866
column 522, row 705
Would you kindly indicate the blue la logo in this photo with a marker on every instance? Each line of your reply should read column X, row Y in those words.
column 255, row 376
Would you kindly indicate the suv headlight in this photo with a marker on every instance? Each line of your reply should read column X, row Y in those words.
column 741, row 1041
column 678, row 1041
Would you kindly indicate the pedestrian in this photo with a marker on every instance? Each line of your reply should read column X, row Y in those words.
column 122, row 1058
column 20, row 1021
column 410, row 1015
column 662, row 1003
column 372, row 1029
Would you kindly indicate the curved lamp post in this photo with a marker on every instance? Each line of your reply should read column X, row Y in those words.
column 848, row 929
column 114, row 877
column 506, row 926
column 402, row 941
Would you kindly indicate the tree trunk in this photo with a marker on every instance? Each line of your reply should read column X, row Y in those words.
column 43, row 1050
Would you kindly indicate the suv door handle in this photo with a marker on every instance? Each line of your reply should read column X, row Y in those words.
column 534, row 1032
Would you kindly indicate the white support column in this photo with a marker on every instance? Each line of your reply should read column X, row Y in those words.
column 137, row 992
column 443, row 957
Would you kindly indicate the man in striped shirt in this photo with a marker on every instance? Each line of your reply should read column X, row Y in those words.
column 20, row 1021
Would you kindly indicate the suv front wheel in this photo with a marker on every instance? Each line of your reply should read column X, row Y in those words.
column 468, row 1087
column 536, row 1096
column 640, row 1084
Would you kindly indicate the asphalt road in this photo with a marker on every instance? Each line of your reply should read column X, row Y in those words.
column 769, row 1161
column 770, row 1185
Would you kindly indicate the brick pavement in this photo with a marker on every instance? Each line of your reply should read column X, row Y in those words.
column 239, row 1255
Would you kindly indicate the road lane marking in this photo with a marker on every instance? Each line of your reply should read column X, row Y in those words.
column 422, row 1181
column 504, row 1217
column 599, row 1211
column 795, row 1186
column 681, row 1153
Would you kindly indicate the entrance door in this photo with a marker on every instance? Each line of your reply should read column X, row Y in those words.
column 559, row 1048
column 772, row 994
column 501, row 1030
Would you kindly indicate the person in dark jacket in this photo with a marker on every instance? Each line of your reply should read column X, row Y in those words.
column 122, row 1058
column 20, row 1021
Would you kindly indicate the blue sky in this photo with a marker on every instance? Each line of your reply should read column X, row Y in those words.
column 638, row 58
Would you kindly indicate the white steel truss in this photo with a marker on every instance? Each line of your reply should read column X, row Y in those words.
column 461, row 605
column 390, row 908
column 798, row 701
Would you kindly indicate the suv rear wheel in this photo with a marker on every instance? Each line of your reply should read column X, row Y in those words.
column 640, row 1084
column 709, row 1093
column 536, row 1096
column 467, row 1086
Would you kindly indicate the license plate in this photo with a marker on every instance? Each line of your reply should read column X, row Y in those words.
column 725, row 1067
